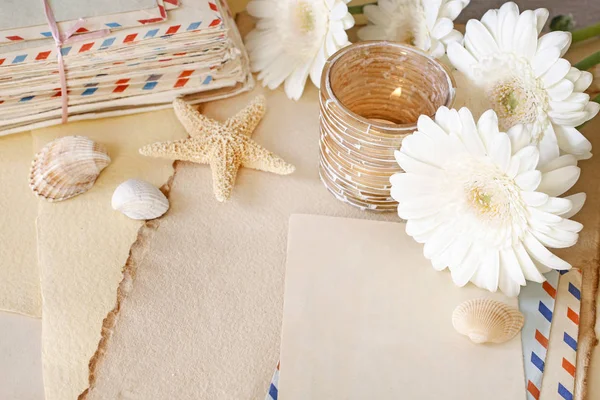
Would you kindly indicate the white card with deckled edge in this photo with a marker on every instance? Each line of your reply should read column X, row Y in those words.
column 367, row 317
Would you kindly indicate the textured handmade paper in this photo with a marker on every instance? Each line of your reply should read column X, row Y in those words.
column 19, row 274
column 366, row 317
column 83, row 244
column 201, row 318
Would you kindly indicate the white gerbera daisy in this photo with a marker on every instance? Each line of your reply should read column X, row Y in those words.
column 426, row 24
column 525, row 79
column 294, row 38
column 477, row 200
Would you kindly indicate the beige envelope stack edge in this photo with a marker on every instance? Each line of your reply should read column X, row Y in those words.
column 195, row 52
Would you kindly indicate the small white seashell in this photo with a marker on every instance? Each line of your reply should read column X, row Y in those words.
column 487, row 321
column 66, row 167
column 139, row 199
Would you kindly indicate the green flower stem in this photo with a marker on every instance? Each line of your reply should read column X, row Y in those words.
column 588, row 62
column 586, row 33
column 357, row 10
column 596, row 99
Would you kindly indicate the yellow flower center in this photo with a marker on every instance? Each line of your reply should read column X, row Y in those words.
column 304, row 18
column 513, row 103
column 482, row 202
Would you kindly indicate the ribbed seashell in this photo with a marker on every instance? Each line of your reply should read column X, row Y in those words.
column 139, row 199
column 66, row 167
column 487, row 321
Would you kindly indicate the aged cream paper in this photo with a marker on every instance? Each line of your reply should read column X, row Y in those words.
column 366, row 317
column 83, row 244
column 19, row 274
column 200, row 311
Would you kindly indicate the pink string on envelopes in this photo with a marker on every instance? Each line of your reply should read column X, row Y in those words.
column 64, row 38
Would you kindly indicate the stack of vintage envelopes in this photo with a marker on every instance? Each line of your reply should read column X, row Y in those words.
column 155, row 51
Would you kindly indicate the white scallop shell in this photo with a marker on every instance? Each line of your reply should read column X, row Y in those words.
column 66, row 167
column 487, row 321
column 139, row 199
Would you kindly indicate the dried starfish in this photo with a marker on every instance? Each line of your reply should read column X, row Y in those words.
column 224, row 146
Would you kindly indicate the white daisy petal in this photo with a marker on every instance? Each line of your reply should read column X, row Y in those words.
column 330, row 45
column 293, row 39
column 559, row 162
column 339, row 11
column 544, row 217
column 453, row 36
column 541, row 15
column 488, row 274
column 544, row 59
column 348, row 21
column 463, row 272
column 420, row 209
column 412, row 165
column 558, row 39
column 461, row 58
column 556, row 205
column 569, row 119
column 525, row 36
column 584, row 81
column 510, row 263
column 548, row 146
column 420, row 226
column 294, row 84
column 519, row 137
column 490, row 20
column 431, row 9
column 500, row 151
column 479, row 41
column 487, row 126
column 459, row 250
column 507, row 22
column 317, row 67
column 440, row 241
column 426, row 24
column 340, row 36
column 442, row 28
column 507, row 285
column 561, row 90
column 572, row 141
column 469, row 133
column 557, row 182
column 448, row 120
column 530, row 271
column 592, row 108
column 534, row 199
column 543, row 255
column 529, row 181
column 573, row 74
column 577, row 201
column 261, row 9
column 570, row 225
column 559, row 240
column 566, row 106
column 452, row 9
column 556, row 73
column 478, row 201
column 528, row 158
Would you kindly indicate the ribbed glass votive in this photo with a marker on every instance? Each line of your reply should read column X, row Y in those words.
column 372, row 94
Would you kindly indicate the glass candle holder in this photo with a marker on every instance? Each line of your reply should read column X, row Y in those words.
column 371, row 95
